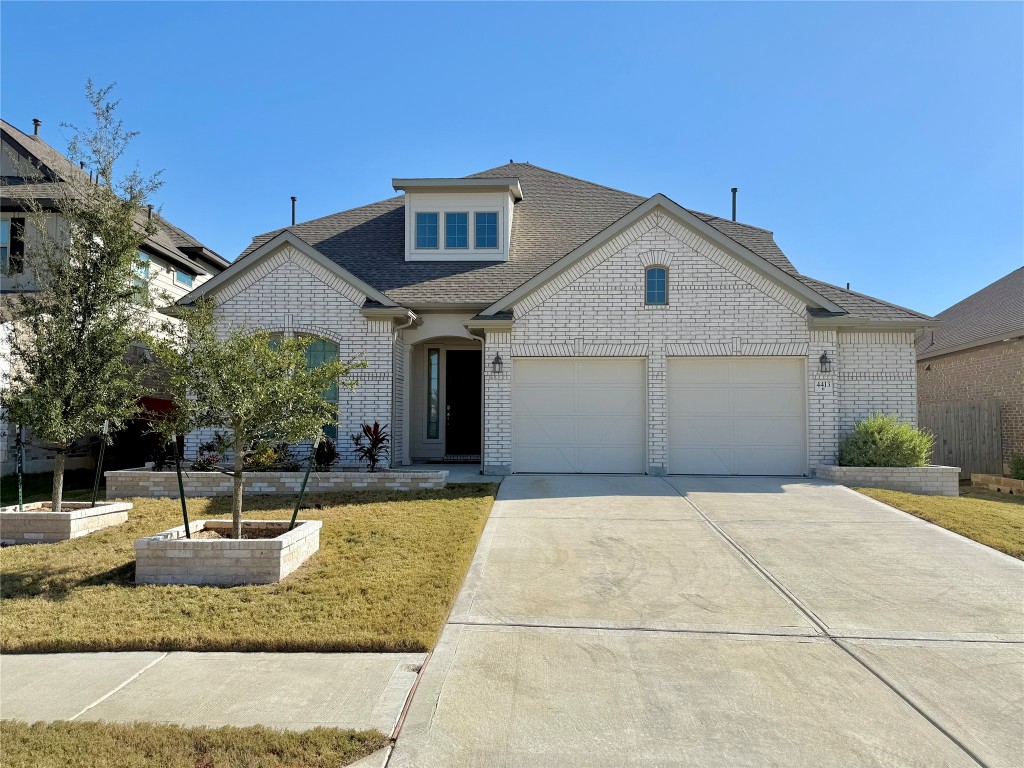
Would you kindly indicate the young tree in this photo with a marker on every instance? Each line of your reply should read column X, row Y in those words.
column 260, row 389
column 72, row 330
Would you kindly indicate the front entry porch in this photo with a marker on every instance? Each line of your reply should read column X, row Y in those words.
column 446, row 403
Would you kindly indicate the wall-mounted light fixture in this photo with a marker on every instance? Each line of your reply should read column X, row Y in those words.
column 496, row 364
column 824, row 363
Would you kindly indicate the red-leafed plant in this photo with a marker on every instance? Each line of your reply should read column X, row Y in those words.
column 372, row 444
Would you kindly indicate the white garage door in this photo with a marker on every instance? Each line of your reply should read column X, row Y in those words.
column 579, row 415
column 736, row 416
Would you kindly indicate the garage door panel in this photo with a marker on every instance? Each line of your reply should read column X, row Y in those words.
column 704, row 400
column 547, row 372
column 773, row 401
column 545, row 401
column 768, row 433
column 542, row 457
column 550, row 429
column 736, row 416
column 598, row 402
column 702, row 461
column 757, row 461
column 579, row 415
column 714, row 372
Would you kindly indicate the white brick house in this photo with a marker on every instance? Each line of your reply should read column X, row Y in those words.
column 539, row 323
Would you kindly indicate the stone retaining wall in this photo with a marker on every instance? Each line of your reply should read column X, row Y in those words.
column 170, row 558
column 77, row 518
column 998, row 483
column 130, row 483
column 930, row 481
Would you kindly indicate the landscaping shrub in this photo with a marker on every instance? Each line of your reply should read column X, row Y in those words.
column 1017, row 465
column 885, row 441
column 325, row 455
column 375, row 449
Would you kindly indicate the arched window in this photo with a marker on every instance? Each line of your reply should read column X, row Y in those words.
column 320, row 351
column 656, row 285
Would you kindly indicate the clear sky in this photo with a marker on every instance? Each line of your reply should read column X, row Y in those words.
column 882, row 143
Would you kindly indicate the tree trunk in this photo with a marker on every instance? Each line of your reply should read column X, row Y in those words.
column 58, row 481
column 236, row 497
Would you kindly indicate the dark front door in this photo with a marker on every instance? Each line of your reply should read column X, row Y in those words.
column 462, row 402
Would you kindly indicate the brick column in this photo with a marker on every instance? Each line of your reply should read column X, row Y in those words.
column 498, row 406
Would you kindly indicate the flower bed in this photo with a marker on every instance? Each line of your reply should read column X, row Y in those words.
column 144, row 482
column 930, row 481
column 266, row 553
column 36, row 524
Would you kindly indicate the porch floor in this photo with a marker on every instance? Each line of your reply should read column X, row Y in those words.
column 457, row 473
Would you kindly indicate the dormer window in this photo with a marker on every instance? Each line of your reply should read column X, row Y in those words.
column 426, row 230
column 459, row 219
column 656, row 286
column 487, row 230
column 456, row 230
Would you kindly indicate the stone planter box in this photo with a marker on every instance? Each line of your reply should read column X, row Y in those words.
column 930, row 481
column 170, row 558
column 131, row 483
column 998, row 483
column 37, row 525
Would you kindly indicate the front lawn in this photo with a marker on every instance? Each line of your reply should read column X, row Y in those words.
column 388, row 569
column 114, row 745
column 993, row 519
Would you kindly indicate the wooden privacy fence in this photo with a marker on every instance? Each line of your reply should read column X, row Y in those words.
column 967, row 435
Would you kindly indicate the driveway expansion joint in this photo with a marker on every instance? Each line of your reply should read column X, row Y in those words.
column 837, row 641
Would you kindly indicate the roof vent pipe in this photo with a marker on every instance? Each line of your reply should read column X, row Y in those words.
column 734, row 191
column 36, row 122
column 150, row 210
column 81, row 164
column 294, row 198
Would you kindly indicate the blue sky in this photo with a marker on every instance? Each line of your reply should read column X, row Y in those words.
column 882, row 143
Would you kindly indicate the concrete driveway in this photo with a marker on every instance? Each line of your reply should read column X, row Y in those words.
column 639, row 621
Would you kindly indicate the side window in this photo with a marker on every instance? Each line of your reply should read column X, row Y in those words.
column 181, row 277
column 12, row 246
column 322, row 351
column 433, row 394
column 656, row 285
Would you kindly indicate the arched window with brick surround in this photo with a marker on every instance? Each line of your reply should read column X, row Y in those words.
column 656, row 285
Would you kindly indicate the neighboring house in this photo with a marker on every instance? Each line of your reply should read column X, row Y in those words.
column 171, row 261
column 978, row 353
column 539, row 323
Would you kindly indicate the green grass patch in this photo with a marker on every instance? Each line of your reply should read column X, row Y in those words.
column 114, row 745
column 993, row 519
column 388, row 569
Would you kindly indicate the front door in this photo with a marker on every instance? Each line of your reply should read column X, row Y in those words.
column 462, row 403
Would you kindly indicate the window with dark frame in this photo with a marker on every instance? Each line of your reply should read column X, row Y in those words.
column 656, row 286
column 12, row 246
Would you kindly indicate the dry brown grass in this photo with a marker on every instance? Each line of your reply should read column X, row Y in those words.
column 993, row 519
column 388, row 569
column 113, row 745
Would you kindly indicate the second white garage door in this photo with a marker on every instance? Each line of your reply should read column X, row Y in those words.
column 737, row 416
column 574, row 414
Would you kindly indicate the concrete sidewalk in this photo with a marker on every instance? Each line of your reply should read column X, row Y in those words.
column 293, row 691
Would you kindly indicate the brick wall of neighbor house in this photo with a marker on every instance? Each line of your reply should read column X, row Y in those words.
column 717, row 306
column 994, row 370
column 289, row 292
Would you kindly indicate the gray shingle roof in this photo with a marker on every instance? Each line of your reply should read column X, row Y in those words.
column 996, row 311
column 558, row 213
column 51, row 167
